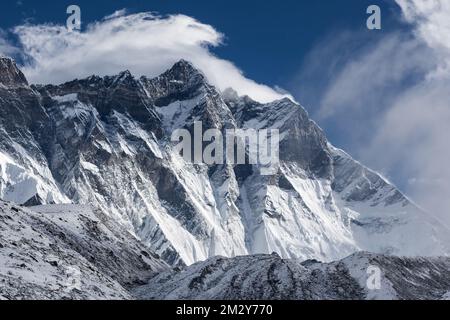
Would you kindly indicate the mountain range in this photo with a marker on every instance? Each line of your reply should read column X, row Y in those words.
column 93, row 159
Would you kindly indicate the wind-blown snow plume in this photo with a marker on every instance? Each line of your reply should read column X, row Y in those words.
column 416, row 129
column 393, row 92
column 432, row 21
column 6, row 48
column 144, row 43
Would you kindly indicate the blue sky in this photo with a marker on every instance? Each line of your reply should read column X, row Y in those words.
column 380, row 95
column 293, row 27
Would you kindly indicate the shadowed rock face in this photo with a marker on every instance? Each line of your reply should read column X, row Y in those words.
column 268, row 277
column 10, row 75
column 303, row 141
column 105, row 141
column 181, row 82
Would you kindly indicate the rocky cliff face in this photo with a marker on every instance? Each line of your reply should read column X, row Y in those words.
column 10, row 75
column 106, row 142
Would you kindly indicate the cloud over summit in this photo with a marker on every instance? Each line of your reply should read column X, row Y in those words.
column 144, row 43
column 388, row 100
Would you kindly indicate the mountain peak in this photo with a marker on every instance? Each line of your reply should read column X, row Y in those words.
column 10, row 74
column 181, row 82
column 184, row 71
column 124, row 76
column 184, row 64
column 125, row 73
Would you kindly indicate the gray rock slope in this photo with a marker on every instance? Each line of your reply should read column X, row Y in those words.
column 69, row 252
column 269, row 277
column 73, row 252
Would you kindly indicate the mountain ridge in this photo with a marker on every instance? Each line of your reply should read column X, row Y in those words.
column 105, row 141
column 69, row 252
column 269, row 277
column 73, row 252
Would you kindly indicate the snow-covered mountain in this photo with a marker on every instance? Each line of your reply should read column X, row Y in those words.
column 268, row 277
column 105, row 142
column 69, row 252
column 73, row 252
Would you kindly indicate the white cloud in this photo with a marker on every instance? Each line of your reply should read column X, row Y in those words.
column 389, row 100
column 352, row 79
column 144, row 43
column 6, row 48
column 415, row 131
column 384, row 63
column 413, row 139
column 116, row 14
column 432, row 21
